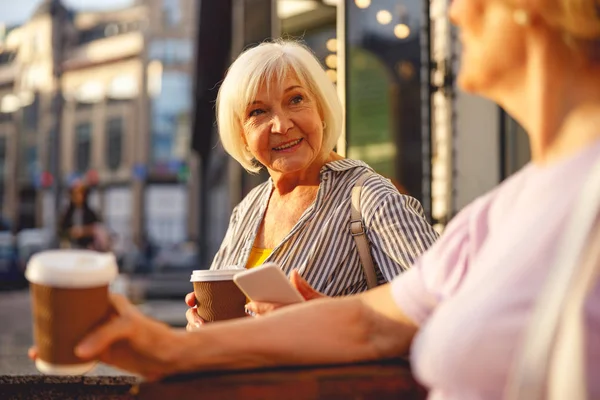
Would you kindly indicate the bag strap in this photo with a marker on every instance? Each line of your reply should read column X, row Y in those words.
column 552, row 360
column 357, row 230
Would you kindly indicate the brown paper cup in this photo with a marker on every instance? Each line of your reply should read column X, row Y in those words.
column 62, row 318
column 69, row 293
column 217, row 296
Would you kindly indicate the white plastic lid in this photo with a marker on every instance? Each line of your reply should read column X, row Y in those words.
column 72, row 268
column 207, row 275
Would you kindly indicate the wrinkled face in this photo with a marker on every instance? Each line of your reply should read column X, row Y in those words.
column 283, row 128
column 493, row 45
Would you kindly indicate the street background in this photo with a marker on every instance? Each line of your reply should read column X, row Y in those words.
column 118, row 97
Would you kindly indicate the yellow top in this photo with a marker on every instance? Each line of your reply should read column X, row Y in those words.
column 257, row 257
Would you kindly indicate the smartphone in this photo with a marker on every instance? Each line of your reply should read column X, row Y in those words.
column 267, row 283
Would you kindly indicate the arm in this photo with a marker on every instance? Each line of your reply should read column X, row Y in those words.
column 365, row 327
column 350, row 329
column 399, row 233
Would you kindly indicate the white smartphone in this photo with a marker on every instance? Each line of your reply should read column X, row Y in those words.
column 267, row 283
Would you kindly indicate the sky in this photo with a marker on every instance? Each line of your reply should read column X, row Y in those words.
column 17, row 11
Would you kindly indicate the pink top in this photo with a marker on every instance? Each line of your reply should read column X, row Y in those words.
column 472, row 293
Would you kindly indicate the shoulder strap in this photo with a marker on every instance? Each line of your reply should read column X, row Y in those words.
column 357, row 230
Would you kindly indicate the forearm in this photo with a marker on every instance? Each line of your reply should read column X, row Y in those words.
column 318, row 332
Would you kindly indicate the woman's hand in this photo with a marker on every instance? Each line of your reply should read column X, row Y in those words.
column 193, row 319
column 256, row 309
column 132, row 342
column 76, row 232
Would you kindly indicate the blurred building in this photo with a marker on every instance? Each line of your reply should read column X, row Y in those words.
column 127, row 81
column 126, row 78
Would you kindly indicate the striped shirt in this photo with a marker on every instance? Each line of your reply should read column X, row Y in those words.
column 320, row 245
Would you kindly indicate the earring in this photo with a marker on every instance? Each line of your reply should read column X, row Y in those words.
column 521, row 17
column 324, row 125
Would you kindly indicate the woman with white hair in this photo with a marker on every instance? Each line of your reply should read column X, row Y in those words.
column 469, row 302
column 278, row 110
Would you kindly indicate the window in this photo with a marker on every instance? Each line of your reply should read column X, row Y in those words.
column 114, row 143
column 7, row 57
column 171, row 12
column 29, row 167
column 31, row 161
column 171, row 51
column 83, row 147
column 170, row 116
column 384, row 88
column 89, row 35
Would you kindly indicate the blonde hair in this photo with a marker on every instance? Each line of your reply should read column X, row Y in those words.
column 578, row 20
column 265, row 64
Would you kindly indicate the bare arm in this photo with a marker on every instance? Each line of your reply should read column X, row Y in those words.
column 364, row 327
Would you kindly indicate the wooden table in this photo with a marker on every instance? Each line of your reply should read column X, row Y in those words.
column 380, row 380
column 390, row 379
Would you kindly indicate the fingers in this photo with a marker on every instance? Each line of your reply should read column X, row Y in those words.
column 190, row 299
column 256, row 309
column 121, row 304
column 193, row 319
column 304, row 287
column 114, row 330
column 100, row 339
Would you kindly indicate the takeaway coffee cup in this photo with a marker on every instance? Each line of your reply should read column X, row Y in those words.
column 217, row 296
column 69, row 293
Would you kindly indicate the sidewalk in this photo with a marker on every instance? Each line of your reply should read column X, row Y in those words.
column 16, row 334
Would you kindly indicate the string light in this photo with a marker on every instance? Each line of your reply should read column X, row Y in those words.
column 331, row 61
column 384, row 17
column 332, row 75
column 331, row 45
column 362, row 3
column 402, row 31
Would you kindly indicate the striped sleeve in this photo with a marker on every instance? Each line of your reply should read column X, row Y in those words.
column 399, row 234
column 225, row 250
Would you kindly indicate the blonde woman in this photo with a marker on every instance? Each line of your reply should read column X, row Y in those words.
column 277, row 110
column 465, row 304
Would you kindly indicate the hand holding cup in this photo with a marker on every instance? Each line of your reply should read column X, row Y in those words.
column 69, row 292
column 215, row 298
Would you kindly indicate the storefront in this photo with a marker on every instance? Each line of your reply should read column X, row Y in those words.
column 394, row 63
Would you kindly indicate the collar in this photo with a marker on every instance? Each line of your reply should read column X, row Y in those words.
column 337, row 166
column 344, row 165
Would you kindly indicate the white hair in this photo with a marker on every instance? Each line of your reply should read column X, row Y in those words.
column 266, row 63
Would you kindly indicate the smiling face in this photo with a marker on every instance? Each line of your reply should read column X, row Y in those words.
column 283, row 128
